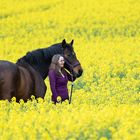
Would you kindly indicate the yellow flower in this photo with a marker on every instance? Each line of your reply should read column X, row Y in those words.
column 59, row 99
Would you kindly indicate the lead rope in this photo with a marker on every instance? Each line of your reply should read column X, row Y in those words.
column 72, row 84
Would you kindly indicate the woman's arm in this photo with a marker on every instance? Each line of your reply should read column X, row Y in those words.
column 52, row 79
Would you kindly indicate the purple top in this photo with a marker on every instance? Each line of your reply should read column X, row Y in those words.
column 58, row 85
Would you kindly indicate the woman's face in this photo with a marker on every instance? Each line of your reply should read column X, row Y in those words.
column 61, row 61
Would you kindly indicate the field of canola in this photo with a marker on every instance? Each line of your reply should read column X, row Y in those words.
column 106, row 98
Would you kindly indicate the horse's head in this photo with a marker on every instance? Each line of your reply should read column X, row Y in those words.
column 71, row 62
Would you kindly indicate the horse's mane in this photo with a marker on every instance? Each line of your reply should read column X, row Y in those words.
column 35, row 56
column 40, row 59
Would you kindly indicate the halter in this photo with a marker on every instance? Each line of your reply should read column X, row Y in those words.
column 71, row 69
column 72, row 66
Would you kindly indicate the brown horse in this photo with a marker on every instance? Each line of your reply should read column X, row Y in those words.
column 26, row 77
column 20, row 81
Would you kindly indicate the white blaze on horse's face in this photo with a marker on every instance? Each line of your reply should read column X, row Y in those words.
column 61, row 61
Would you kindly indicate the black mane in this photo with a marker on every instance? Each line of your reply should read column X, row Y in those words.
column 40, row 59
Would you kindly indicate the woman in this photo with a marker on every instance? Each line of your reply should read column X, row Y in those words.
column 59, row 77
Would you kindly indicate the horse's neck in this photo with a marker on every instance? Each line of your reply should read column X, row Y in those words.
column 48, row 54
column 51, row 51
column 40, row 59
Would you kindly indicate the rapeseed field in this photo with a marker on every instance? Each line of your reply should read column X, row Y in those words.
column 106, row 98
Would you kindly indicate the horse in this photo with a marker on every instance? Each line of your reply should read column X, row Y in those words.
column 20, row 81
column 26, row 77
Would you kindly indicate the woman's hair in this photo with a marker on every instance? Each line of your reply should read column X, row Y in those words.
column 54, row 64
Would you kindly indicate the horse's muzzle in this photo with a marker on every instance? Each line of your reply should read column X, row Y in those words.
column 79, row 73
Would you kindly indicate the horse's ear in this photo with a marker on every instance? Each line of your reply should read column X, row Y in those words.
column 72, row 42
column 63, row 43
